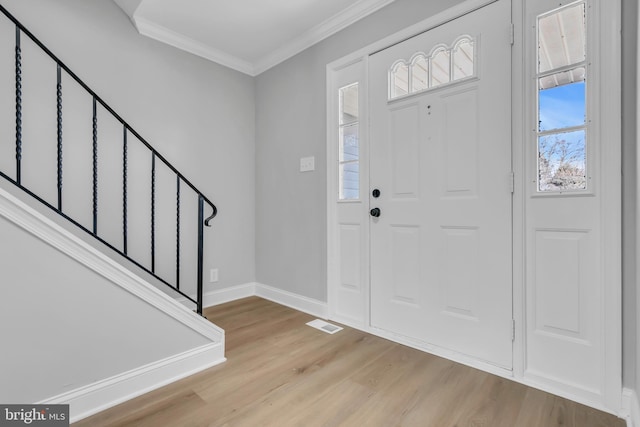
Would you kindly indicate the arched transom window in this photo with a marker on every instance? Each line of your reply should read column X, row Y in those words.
column 443, row 65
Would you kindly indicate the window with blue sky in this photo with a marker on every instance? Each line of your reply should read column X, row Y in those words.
column 562, row 94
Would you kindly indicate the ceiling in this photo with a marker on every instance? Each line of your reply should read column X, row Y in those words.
column 562, row 46
column 249, row 36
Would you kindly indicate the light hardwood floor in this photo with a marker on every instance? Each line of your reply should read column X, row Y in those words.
column 283, row 373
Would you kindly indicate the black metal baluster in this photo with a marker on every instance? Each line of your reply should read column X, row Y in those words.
column 178, row 231
column 95, row 167
column 200, row 251
column 124, row 188
column 18, row 59
column 59, row 117
column 22, row 33
column 153, row 212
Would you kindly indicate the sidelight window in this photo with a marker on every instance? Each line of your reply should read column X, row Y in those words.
column 349, row 143
column 561, row 79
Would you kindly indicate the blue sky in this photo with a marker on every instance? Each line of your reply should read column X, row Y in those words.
column 563, row 106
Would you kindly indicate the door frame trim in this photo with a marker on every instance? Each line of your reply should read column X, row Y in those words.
column 332, row 70
column 611, row 222
column 333, row 266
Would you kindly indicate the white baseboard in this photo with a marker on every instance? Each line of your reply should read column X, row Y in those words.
column 91, row 399
column 298, row 302
column 220, row 296
column 289, row 299
column 591, row 398
column 630, row 407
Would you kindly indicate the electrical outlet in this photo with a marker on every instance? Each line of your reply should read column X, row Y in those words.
column 213, row 275
column 307, row 164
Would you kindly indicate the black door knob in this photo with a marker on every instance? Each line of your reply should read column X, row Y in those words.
column 375, row 193
column 375, row 212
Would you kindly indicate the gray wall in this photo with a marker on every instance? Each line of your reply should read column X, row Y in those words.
column 290, row 123
column 199, row 115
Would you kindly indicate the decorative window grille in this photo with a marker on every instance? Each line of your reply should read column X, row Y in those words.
column 561, row 79
column 442, row 66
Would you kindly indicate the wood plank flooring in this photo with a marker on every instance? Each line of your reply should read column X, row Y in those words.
column 283, row 373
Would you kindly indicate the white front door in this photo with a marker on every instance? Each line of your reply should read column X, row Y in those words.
column 441, row 247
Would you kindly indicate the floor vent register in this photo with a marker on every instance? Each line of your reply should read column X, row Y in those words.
column 324, row 326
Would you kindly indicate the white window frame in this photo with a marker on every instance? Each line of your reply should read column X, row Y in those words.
column 342, row 127
column 590, row 100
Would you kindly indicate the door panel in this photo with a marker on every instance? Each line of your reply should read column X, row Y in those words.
column 461, row 151
column 441, row 248
column 405, row 264
column 405, row 144
column 567, row 286
column 458, row 285
column 559, row 267
column 350, row 238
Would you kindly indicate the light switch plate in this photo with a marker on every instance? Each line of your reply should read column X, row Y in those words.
column 307, row 164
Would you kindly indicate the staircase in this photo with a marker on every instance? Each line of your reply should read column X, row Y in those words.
column 89, row 209
column 101, row 112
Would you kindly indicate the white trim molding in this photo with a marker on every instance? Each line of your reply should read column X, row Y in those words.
column 86, row 401
column 329, row 27
column 295, row 301
column 449, row 14
column 279, row 296
column 610, row 14
column 221, row 296
column 326, row 29
column 162, row 34
column 630, row 407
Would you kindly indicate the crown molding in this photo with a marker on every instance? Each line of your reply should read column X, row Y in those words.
column 329, row 27
column 158, row 32
column 326, row 29
column 129, row 7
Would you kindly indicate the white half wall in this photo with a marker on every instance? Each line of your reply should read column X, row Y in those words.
column 78, row 328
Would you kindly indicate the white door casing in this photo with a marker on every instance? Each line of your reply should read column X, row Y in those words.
column 608, row 128
column 348, row 249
